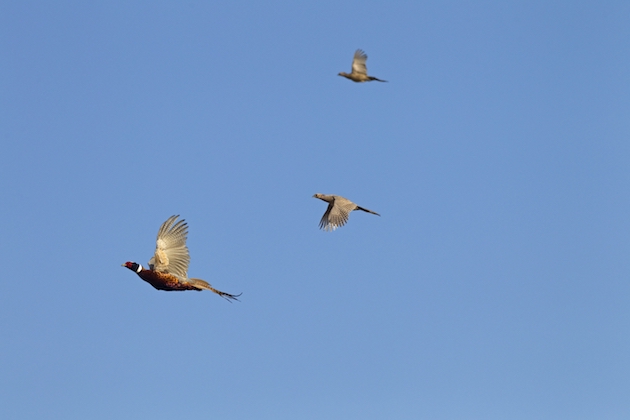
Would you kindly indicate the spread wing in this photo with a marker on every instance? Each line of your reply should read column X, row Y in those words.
column 171, row 252
column 337, row 213
column 358, row 63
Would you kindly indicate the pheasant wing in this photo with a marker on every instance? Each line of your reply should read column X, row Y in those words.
column 358, row 63
column 171, row 252
column 336, row 214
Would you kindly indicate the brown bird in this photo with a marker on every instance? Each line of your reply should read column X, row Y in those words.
column 338, row 211
column 359, row 70
column 169, row 266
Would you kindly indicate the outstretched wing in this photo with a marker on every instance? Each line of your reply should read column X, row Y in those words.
column 337, row 213
column 171, row 252
column 358, row 63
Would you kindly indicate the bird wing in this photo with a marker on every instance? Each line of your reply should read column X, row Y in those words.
column 358, row 63
column 337, row 213
column 171, row 252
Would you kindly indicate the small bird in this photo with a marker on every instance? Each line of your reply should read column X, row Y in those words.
column 359, row 70
column 338, row 211
column 169, row 266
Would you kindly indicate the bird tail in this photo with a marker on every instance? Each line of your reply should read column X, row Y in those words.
column 378, row 80
column 202, row 284
column 368, row 211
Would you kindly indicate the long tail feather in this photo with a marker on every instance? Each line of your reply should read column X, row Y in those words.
column 202, row 284
column 368, row 211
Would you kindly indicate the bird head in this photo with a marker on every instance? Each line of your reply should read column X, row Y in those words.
column 135, row 267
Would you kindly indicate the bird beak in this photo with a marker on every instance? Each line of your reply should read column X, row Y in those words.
column 122, row 265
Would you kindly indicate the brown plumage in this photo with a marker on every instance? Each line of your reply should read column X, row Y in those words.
column 168, row 267
column 338, row 211
column 359, row 69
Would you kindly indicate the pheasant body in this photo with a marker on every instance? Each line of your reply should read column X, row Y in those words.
column 359, row 69
column 338, row 211
column 169, row 265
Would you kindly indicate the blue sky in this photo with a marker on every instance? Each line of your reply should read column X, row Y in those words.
column 494, row 286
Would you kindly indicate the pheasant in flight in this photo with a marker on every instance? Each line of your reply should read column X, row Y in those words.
column 169, row 266
column 338, row 211
column 359, row 70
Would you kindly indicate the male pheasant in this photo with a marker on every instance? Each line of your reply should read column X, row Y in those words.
column 169, row 266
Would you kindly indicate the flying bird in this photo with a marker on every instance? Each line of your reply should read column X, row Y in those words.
column 359, row 70
column 338, row 211
column 169, row 266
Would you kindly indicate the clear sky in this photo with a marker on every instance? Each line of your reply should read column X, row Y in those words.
column 494, row 286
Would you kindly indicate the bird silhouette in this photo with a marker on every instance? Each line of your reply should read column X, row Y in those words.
column 359, row 69
column 169, row 265
column 338, row 211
